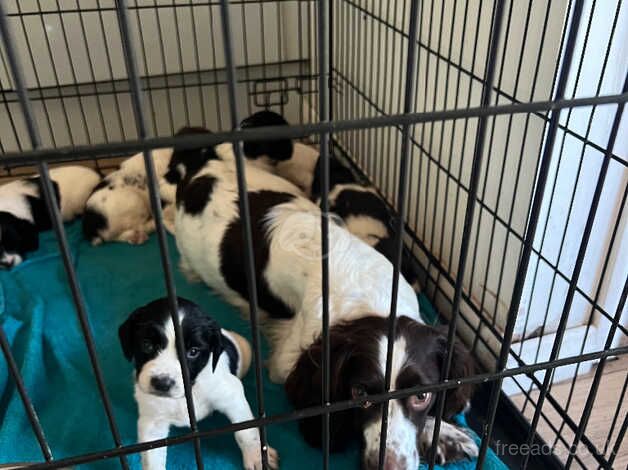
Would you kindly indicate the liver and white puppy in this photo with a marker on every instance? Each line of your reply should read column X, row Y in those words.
column 119, row 208
column 23, row 212
column 358, row 364
column 217, row 359
column 286, row 234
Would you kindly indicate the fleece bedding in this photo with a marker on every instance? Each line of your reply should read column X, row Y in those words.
column 38, row 316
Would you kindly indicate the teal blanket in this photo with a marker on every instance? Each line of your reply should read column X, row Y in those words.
column 37, row 314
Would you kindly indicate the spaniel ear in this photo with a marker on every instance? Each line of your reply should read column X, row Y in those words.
column 126, row 333
column 462, row 366
column 304, row 389
column 213, row 336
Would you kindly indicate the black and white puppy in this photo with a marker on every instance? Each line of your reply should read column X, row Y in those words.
column 119, row 208
column 287, row 249
column 358, row 364
column 23, row 212
column 216, row 358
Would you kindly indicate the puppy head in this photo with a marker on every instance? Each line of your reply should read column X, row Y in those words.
column 184, row 163
column 358, row 364
column 275, row 150
column 148, row 340
column 113, row 209
column 17, row 236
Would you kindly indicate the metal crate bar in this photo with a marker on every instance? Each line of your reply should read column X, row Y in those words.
column 410, row 77
column 245, row 216
column 14, row 371
column 57, row 223
column 324, row 108
column 153, row 188
column 562, row 325
column 586, row 413
column 573, row 27
column 334, row 407
column 498, row 14
column 297, row 131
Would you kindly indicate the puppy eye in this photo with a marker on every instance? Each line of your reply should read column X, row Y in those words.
column 193, row 353
column 358, row 391
column 420, row 401
column 147, row 346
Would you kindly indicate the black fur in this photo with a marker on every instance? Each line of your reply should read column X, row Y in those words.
column 146, row 325
column 195, row 195
column 93, row 223
column 354, row 202
column 38, row 204
column 232, row 353
column 278, row 150
column 17, row 236
column 232, row 260
column 338, row 174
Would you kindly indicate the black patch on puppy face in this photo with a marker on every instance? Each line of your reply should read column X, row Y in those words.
column 94, row 223
column 232, row 258
column 142, row 336
column 17, row 236
column 185, row 163
column 278, row 150
column 195, row 195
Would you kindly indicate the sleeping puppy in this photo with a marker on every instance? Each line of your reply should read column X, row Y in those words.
column 287, row 249
column 23, row 212
column 217, row 359
column 119, row 208
column 362, row 209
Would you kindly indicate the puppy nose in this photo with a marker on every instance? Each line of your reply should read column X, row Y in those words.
column 161, row 383
column 8, row 263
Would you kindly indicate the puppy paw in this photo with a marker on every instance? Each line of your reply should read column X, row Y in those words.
column 252, row 458
column 134, row 237
column 454, row 444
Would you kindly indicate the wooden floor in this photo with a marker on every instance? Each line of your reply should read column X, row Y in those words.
column 611, row 392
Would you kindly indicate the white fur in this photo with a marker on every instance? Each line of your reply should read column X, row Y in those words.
column 125, row 204
column 402, row 432
column 299, row 169
column 449, row 436
column 217, row 390
column 75, row 185
column 13, row 199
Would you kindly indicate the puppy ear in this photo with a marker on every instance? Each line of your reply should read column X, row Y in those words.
column 279, row 150
column 125, row 333
column 304, row 388
column 213, row 336
column 462, row 366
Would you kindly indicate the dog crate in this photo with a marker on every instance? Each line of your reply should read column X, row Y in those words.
column 493, row 128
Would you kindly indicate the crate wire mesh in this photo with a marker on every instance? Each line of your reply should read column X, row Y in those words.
column 493, row 128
